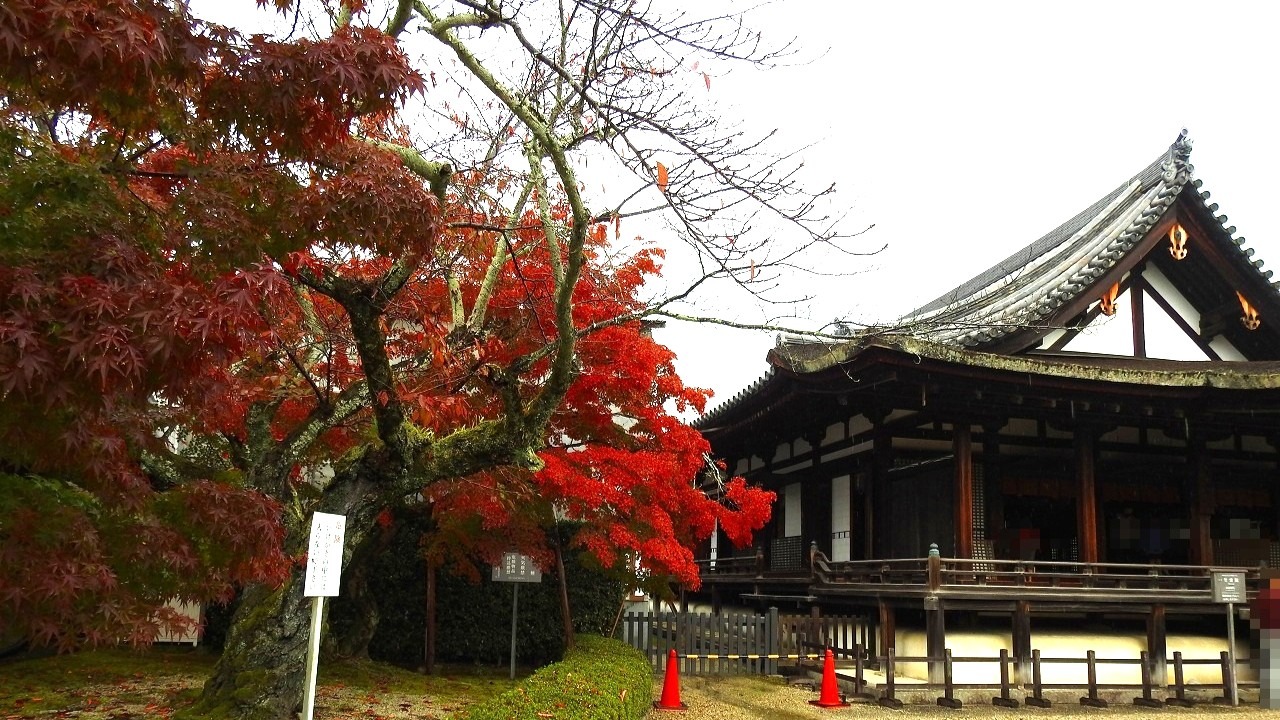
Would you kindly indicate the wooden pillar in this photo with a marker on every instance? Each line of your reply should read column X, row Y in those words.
column 1201, row 503
column 888, row 630
column 992, row 482
column 935, row 637
column 1157, row 645
column 962, row 450
column 1086, row 495
column 880, row 505
column 1136, row 313
column 868, row 513
column 1022, row 640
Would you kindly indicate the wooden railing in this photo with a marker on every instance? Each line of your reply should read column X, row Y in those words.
column 938, row 574
column 941, row 574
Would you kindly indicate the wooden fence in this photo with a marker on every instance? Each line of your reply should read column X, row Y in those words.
column 1148, row 687
column 741, row 643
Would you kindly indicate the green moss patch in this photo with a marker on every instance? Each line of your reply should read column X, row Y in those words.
column 600, row 679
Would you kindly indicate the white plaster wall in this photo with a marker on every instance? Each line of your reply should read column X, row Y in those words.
column 840, row 521
column 1073, row 644
column 791, row 510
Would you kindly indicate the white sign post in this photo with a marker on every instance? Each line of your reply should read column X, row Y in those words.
column 324, row 571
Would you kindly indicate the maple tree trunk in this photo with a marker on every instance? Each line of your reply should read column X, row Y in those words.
column 355, row 638
column 262, row 670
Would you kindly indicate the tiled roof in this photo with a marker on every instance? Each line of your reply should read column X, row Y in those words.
column 1029, row 285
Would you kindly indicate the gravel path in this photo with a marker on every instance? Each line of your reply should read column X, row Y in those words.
column 752, row 698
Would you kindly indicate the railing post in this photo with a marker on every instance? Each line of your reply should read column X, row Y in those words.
column 887, row 699
column 1004, row 700
column 772, row 628
column 759, row 561
column 859, row 683
column 1179, row 698
column 1228, row 680
column 948, row 699
column 1037, row 698
column 1146, row 700
column 1092, row 699
column 934, row 568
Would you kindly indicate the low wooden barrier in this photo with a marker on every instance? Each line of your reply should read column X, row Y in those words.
column 1035, row 693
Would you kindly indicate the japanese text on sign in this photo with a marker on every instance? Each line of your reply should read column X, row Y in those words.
column 324, row 555
column 516, row 568
column 1228, row 587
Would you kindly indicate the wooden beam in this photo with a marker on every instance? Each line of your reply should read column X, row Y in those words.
column 962, row 449
column 1136, row 286
column 1086, row 495
column 1196, row 335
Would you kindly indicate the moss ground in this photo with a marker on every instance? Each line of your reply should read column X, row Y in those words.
column 121, row 683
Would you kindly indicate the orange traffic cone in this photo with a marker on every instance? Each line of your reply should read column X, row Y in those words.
column 830, row 696
column 671, row 686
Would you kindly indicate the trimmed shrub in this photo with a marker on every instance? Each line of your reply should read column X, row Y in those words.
column 473, row 621
column 600, row 679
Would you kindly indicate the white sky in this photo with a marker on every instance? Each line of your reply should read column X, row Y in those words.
column 966, row 130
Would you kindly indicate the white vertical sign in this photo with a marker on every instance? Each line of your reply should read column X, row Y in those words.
column 324, row 555
column 324, row 571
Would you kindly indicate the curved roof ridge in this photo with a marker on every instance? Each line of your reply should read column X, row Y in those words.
column 1057, row 267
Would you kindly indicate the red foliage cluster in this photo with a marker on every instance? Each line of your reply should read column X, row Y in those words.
column 164, row 185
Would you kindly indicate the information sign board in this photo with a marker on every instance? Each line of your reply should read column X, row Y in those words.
column 324, row 555
column 1228, row 587
column 516, row 568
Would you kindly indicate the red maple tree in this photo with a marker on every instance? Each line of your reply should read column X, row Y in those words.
column 232, row 294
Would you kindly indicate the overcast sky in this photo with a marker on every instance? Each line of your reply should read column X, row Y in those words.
column 964, row 131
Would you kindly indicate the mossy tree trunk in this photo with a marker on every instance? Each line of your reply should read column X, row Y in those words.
column 259, row 676
column 262, row 670
column 353, row 641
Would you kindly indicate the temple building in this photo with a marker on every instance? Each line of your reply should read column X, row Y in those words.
column 1090, row 426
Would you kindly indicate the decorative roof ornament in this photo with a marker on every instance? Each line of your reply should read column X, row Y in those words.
column 1179, row 158
column 1249, row 319
column 1177, row 242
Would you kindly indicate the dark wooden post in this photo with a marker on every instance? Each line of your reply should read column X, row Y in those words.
column 566, row 612
column 1136, row 312
column 934, row 619
column 888, row 630
column 992, row 480
column 962, row 450
column 1201, row 503
column 429, row 644
column 1086, row 495
column 1157, row 646
column 935, row 637
column 878, row 498
column 1022, row 640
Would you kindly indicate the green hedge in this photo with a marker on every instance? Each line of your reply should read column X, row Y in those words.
column 600, row 679
column 473, row 621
